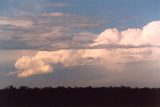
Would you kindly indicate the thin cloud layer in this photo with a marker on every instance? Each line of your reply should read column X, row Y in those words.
column 47, row 31
column 55, row 14
column 15, row 22
column 58, row 4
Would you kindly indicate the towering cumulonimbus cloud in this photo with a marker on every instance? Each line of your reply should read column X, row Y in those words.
column 148, row 35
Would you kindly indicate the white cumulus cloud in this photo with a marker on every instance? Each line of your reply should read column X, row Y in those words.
column 148, row 35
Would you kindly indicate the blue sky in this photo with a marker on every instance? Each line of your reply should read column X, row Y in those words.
column 121, row 14
column 79, row 42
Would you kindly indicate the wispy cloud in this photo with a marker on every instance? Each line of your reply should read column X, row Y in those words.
column 15, row 22
column 58, row 4
column 55, row 14
column 46, row 31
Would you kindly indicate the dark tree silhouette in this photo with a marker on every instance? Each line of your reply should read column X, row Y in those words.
column 61, row 96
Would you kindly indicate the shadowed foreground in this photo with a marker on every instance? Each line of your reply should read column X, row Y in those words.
column 91, row 97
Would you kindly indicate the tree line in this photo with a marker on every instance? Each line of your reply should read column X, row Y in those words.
column 79, row 96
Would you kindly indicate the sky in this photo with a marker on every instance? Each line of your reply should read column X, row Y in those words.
column 80, row 43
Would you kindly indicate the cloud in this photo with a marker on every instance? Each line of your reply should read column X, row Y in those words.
column 45, row 61
column 60, row 4
column 31, row 66
column 56, row 32
column 55, row 14
column 15, row 22
column 86, row 25
column 43, row 33
column 148, row 35
column 109, row 36
column 31, row 7
column 41, row 63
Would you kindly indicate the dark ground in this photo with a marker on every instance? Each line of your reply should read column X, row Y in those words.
column 80, row 97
